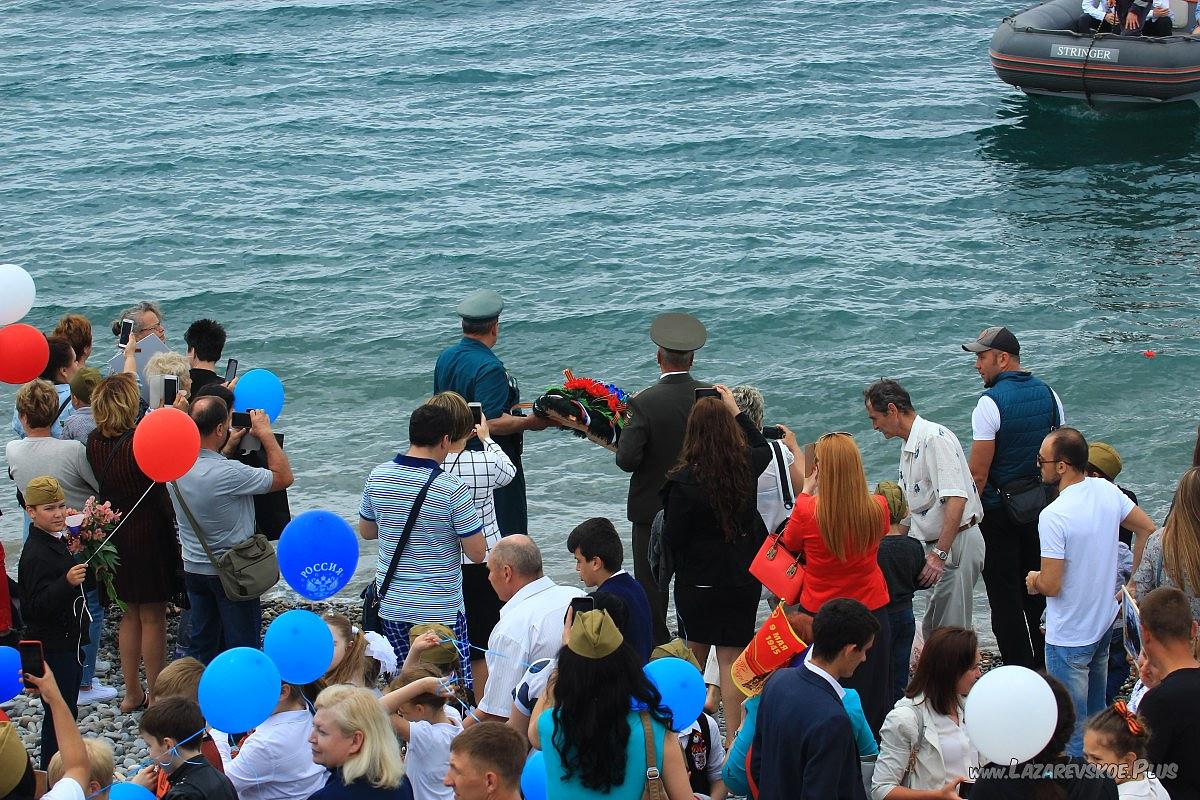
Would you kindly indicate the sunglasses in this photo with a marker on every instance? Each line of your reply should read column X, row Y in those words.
column 835, row 433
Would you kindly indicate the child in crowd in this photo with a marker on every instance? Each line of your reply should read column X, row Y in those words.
column 432, row 644
column 52, row 599
column 181, row 678
column 1118, row 740
column 901, row 558
column 100, row 769
column 703, row 746
column 416, row 708
column 171, row 729
column 359, row 657
column 81, row 423
column 599, row 555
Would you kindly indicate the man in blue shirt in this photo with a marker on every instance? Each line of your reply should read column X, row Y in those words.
column 596, row 546
column 475, row 372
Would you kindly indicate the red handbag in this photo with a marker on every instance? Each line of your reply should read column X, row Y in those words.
column 778, row 568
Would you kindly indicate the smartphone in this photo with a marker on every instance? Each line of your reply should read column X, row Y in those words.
column 810, row 458
column 707, row 393
column 772, row 432
column 170, row 387
column 582, row 604
column 31, row 660
column 231, row 369
column 241, row 419
column 126, row 332
column 476, row 412
column 964, row 788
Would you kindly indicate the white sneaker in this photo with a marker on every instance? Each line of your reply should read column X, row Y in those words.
column 97, row 694
column 103, row 667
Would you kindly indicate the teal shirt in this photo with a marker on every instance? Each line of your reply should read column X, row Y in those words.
column 474, row 371
column 635, row 762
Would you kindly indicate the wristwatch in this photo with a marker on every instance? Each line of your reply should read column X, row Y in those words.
column 942, row 554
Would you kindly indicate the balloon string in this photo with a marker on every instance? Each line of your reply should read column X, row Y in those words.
column 120, row 523
column 457, row 643
column 148, row 762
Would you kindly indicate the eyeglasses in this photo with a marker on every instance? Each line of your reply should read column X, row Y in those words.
column 1040, row 461
column 835, row 433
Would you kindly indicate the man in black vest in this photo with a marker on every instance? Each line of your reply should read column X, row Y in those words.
column 651, row 441
column 1011, row 419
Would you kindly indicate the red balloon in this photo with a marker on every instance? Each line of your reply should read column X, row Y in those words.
column 24, row 353
column 166, row 444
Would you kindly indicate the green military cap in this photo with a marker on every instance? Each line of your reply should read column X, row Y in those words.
column 676, row 331
column 480, row 306
column 84, row 383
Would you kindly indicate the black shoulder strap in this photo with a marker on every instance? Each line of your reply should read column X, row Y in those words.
column 408, row 526
column 1054, row 405
column 785, row 478
column 63, row 407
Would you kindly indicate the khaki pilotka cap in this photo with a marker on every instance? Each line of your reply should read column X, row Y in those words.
column 1104, row 457
column 43, row 491
column 594, row 635
column 444, row 653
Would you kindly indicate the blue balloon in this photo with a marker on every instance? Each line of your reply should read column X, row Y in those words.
column 533, row 777
column 300, row 644
column 129, row 791
column 10, row 673
column 259, row 388
column 318, row 553
column 239, row 689
column 682, row 688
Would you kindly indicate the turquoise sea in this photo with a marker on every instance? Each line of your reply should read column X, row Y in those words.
column 839, row 192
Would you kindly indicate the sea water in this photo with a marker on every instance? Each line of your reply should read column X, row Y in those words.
column 840, row 192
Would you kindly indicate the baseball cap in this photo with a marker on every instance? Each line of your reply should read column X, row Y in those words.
column 996, row 337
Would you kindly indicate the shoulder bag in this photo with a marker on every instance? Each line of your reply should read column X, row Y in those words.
column 372, row 597
column 246, row 570
column 785, row 478
column 905, row 779
column 779, row 569
column 1024, row 498
column 655, row 790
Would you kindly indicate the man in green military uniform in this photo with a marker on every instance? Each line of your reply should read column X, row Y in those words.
column 650, row 442
column 475, row 372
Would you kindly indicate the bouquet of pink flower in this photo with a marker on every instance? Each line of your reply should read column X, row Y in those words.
column 87, row 538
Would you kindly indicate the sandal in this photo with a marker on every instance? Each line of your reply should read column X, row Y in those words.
column 142, row 706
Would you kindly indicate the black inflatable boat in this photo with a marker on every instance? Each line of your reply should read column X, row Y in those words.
column 1038, row 52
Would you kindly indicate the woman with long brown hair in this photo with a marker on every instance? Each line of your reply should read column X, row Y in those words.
column 1172, row 555
column 837, row 525
column 712, row 525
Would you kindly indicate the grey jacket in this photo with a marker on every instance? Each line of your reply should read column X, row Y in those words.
column 898, row 737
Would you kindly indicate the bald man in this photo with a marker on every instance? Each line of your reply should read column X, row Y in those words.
column 531, row 621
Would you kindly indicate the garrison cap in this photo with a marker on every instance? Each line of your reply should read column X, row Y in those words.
column 1104, row 457
column 675, row 331
column 996, row 337
column 481, row 306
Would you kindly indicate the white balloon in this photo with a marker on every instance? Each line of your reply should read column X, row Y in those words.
column 1011, row 714
column 16, row 293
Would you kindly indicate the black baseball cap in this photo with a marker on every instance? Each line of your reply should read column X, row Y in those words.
column 996, row 337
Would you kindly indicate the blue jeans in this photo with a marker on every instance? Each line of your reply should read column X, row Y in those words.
column 95, row 630
column 1118, row 666
column 218, row 623
column 1084, row 671
column 904, row 628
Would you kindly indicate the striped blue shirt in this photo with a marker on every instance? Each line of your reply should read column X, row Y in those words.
column 427, row 586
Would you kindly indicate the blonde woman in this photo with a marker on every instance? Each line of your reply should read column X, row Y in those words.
column 351, row 737
column 150, row 566
column 837, row 524
column 483, row 470
column 174, row 365
column 1172, row 556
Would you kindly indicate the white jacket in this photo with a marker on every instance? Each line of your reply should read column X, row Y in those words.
column 898, row 737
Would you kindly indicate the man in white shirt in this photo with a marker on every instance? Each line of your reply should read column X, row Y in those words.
column 531, row 622
column 943, row 503
column 1078, row 533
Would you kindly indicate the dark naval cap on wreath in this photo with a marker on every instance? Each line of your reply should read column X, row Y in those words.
column 676, row 331
column 996, row 337
column 481, row 306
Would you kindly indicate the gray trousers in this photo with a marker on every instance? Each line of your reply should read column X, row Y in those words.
column 951, row 598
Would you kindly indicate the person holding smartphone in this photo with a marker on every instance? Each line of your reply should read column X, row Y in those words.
column 52, row 598
column 205, row 340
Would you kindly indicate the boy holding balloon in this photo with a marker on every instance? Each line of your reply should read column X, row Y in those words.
column 172, row 730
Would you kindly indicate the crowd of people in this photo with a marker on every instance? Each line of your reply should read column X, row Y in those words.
column 488, row 662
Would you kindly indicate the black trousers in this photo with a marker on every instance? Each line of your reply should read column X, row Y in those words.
column 67, row 672
column 641, row 571
column 1012, row 552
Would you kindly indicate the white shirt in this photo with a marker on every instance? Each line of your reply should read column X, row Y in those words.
column 1145, row 789
column 716, row 750
column 530, row 627
column 953, row 742
column 275, row 761
column 482, row 472
column 770, row 501
column 1080, row 527
column 428, row 758
column 933, row 468
column 985, row 419
column 837, row 687
column 65, row 789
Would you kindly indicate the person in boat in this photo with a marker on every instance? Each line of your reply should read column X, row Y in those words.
column 1126, row 17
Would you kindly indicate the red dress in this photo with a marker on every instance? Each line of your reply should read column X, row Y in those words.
column 150, row 566
column 825, row 576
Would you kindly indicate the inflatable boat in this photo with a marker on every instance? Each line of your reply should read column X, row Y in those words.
column 1038, row 52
